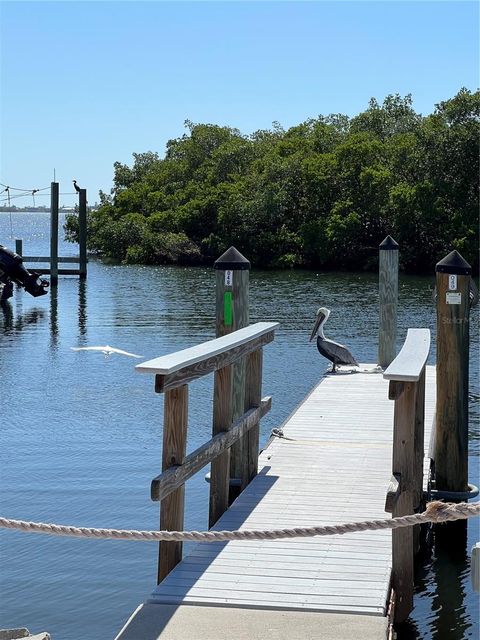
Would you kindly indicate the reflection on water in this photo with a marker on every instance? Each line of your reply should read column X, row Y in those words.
column 53, row 316
column 10, row 323
column 445, row 606
column 82, row 307
column 81, row 435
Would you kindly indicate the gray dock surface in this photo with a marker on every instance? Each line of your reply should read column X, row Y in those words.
column 333, row 466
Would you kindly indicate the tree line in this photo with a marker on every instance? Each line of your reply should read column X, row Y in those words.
column 322, row 194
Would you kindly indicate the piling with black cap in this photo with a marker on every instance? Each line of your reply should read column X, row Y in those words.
column 233, row 271
column 82, row 232
column 388, row 298
column 232, row 313
column 54, row 206
column 453, row 276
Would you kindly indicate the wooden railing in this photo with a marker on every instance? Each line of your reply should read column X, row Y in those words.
column 407, row 388
column 173, row 373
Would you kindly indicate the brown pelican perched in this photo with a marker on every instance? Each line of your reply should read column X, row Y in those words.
column 336, row 353
column 77, row 188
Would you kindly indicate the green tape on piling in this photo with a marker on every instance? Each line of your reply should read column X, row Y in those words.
column 227, row 309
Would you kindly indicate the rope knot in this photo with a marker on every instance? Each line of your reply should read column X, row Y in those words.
column 438, row 511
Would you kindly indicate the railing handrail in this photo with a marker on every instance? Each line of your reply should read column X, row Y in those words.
column 173, row 374
column 410, row 362
column 212, row 349
column 174, row 477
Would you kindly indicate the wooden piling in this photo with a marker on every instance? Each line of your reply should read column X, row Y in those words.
column 388, row 297
column 232, row 313
column 173, row 454
column 54, row 205
column 453, row 276
column 82, row 232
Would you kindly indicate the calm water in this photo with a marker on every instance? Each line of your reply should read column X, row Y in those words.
column 80, row 435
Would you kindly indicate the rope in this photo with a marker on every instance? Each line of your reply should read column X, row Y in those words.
column 435, row 512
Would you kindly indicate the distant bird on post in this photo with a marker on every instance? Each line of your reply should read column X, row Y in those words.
column 77, row 188
column 336, row 353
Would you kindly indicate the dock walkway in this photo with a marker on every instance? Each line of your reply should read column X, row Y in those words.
column 332, row 465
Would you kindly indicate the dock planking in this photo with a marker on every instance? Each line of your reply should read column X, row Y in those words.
column 333, row 466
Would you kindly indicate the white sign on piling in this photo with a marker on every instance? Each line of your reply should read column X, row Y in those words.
column 453, row 298
column 452, row 282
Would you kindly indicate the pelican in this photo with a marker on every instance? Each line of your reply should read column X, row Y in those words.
column 77, row 188
column 107, row 351
column 336, row 353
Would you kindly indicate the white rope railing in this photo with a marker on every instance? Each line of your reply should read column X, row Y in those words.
column 435, row 512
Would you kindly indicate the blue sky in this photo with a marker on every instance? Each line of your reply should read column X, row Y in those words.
column 85, row 84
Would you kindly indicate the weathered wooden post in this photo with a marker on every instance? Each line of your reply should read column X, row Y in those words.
column 220, row 467
column 451, row 435
column 407, row 387
column 82, row 232
column 388, row 296
column 19, row 246
column 403, row 464
column 54, row 202
column 253, row 398
column 232, row 313
column 173, row 454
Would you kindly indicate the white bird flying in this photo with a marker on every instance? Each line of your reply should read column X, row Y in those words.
column 107, row 350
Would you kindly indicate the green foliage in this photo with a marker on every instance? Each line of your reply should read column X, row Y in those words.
column 321, row 194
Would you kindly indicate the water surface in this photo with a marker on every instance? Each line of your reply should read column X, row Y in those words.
column 81, row 435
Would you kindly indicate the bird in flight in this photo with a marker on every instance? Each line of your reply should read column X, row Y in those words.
column 107, row 351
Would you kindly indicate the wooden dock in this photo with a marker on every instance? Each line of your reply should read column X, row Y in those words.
column 359, row 447
column 332, row 465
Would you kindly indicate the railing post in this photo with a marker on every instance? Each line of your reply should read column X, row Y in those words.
column 419, row 454
column 403, row 465
column 220, row 467
column 173, row 453
column 388, row 296
column 19, row 246
column 82, row 235
column 232, row 313
column 54, row 201
column 253, row 397
column 451, row 437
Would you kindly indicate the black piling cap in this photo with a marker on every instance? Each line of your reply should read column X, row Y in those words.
column 388, row 244
column 454, row 263
column 232, row 259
